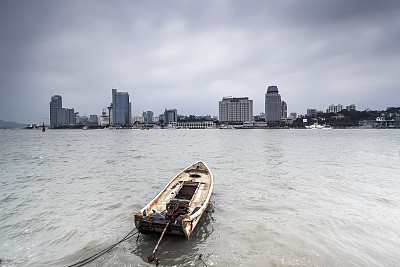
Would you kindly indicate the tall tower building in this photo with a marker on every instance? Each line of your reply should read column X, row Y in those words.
column 273, row 105
column 236, row 109
column 55, row 104
column 120, row 108
column 148, row 116
column 170, row 115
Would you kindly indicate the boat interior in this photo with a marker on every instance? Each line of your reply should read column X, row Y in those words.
column 187, row 190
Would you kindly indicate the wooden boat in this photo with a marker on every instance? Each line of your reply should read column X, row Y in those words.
column 179, row 206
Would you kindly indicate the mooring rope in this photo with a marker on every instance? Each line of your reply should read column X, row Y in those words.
column 199, row 255
column 104, row 251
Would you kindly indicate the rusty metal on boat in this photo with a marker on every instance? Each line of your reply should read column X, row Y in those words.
column 180, row 204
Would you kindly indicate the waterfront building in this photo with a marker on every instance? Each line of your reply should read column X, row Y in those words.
column 139, row 119
column 130, row 113
column 161, row 117
column 204, row 124
column 104, row 118
column 284, row 110
column 156, row 118
column 62, row 116
column 120, row 108
column 71, row 116
column 236, row 109
column 80, row 119
column 93, row 119
column 65, row 117
column 148, row 116
column 55, row 104
column 273, row 105
column 170, row 116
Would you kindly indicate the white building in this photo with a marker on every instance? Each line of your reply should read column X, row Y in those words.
column 196, row 124
column 232, row 109
column 138, row 119
column 334, row 109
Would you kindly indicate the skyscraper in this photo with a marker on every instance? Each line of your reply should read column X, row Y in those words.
column 236, row 109
column 148, row 116
column 170, row 115
column 120, row 108
column 273, row 105
column 55, row 104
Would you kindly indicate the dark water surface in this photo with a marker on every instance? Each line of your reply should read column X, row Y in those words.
column 281, row 197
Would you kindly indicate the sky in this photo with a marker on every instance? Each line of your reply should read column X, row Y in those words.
column 189, row 54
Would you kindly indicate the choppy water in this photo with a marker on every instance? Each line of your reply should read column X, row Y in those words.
column 281, row 197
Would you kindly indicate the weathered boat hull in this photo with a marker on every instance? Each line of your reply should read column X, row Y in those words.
column 181, row 203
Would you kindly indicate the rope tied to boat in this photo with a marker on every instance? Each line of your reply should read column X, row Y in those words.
column 104, row 251
column 199, row 255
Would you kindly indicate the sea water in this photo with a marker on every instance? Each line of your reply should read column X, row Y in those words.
column 281, row 197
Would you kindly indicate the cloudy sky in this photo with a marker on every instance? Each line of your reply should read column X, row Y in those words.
column 188, row 54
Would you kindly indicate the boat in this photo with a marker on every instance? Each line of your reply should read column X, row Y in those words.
column 178, row 207
column 318, row 126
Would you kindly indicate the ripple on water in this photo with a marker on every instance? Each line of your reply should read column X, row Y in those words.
column 280, row 197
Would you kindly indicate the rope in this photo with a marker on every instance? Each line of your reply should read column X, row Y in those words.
column 104, row 251
column 199, row 255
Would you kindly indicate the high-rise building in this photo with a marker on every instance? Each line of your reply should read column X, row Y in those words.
column 65, row 117
column 62, row 117
column 130, row 114
column 334, row 109
column 120, row 108
column 148, row 116
column 71, row 116
column 170, row 115
column 55, row 104
column 273, row 105
column 236, row 109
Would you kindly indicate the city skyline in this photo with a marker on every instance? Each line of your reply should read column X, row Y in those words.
column 172, row 55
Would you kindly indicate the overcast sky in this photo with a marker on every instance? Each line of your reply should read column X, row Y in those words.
column 189, row 54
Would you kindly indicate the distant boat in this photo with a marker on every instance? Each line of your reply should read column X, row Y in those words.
column 318, row 126
column 179, row 206
column 31, row 126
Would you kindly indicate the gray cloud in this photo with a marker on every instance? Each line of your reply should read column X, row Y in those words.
column 189, row 54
